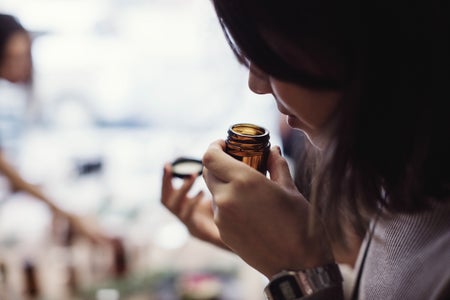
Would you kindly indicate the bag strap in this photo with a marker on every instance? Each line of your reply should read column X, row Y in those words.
column 363, row 260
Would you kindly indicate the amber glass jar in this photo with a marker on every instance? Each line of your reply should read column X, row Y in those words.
column 250, row 144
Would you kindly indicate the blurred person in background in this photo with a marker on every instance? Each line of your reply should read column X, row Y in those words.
column 15, row 51
column 16, row 68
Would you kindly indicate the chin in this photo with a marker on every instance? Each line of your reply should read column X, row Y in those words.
column 294, row 122
column 313, row 137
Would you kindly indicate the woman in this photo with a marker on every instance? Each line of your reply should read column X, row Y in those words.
column 368, row 86
column 16, row 68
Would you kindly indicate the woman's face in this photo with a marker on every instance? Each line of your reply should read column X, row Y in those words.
column 16, row 64
column 306, row 109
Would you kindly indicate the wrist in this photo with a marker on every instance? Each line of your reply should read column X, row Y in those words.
column 291, row 285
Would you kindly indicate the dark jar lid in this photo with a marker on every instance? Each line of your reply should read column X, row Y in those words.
column 184, row 167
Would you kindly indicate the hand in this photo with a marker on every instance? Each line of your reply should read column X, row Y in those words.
column 84, row 227
column 265, row 221
column 195, row 212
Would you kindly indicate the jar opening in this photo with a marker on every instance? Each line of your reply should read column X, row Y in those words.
column 249, row 130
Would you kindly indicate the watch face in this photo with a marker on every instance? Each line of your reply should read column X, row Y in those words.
column 285, row 288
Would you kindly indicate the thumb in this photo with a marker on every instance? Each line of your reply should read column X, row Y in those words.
column 279, row 168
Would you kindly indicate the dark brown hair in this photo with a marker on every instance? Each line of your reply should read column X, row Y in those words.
column 8, row 26
column 391, row 135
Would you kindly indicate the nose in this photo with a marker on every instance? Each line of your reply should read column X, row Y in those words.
column 258, row 81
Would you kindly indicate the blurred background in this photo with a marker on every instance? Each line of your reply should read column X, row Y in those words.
column 119, row 88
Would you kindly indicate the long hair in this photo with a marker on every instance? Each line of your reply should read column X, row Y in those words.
column 390, row 137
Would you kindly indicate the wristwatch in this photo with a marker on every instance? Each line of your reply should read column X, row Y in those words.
column 291, row 285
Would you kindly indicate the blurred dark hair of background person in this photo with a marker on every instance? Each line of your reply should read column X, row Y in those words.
column 15, row 51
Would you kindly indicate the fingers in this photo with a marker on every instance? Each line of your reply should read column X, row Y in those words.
column 179, row 198
column 189, row 207
column 89, row 229
column 279, row 169
column 176, row 200
column 211, row 181
column 169, row 195
column 166, row 187
column 219, row 163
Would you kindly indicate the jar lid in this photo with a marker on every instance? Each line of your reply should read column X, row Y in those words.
column 184, row 167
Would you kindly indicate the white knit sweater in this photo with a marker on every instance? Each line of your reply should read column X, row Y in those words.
column 409, row 257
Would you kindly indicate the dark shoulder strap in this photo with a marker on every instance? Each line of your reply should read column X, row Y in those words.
column 363, row 260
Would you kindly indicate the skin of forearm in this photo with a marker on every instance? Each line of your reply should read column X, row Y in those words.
column 37, row 193
column 19, row 184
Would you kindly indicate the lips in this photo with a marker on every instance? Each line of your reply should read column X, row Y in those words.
column 286, row 113
column 282, row 110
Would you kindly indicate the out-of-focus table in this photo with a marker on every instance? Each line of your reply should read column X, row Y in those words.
column 122, row 197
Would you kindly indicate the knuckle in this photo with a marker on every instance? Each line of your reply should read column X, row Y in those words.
column 207, row 157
